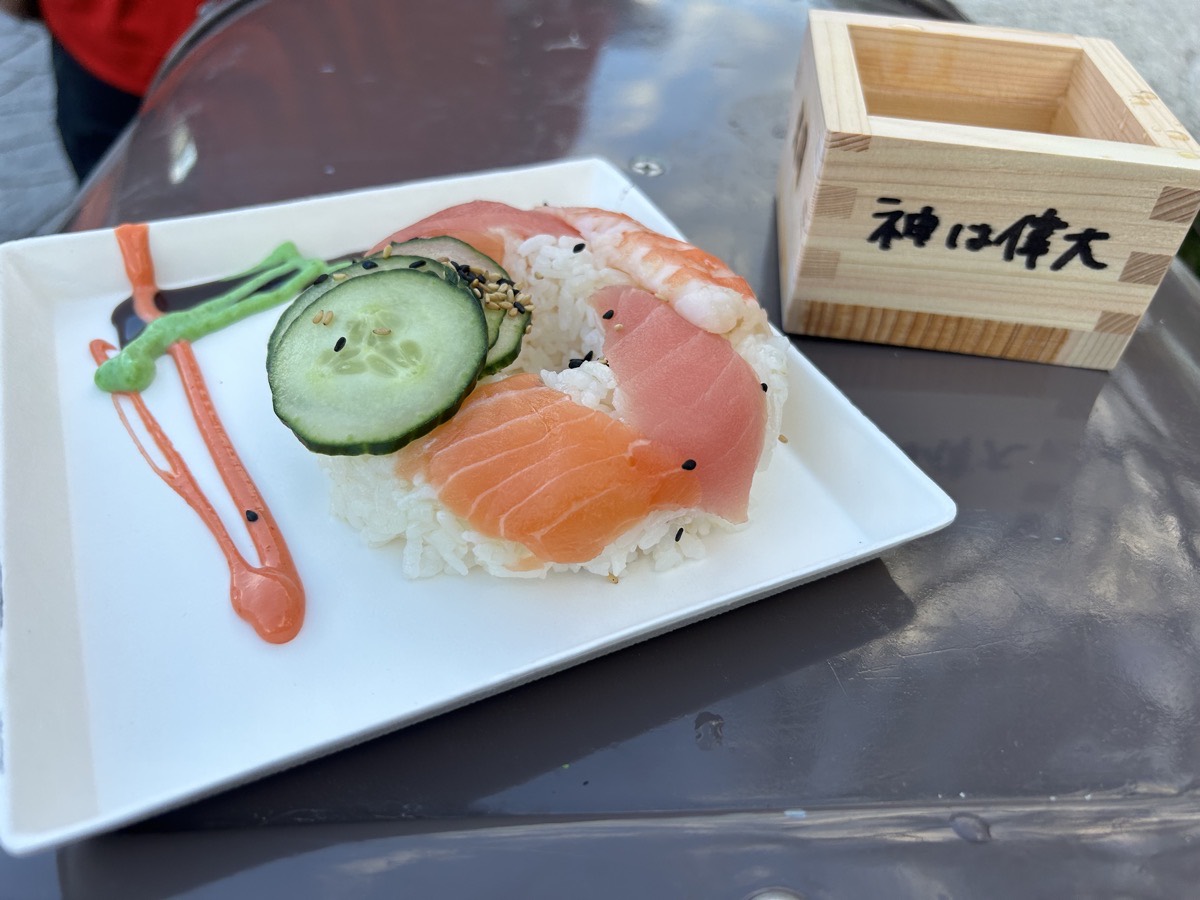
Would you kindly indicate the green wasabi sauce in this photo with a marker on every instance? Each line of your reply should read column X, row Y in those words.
column 133, row 368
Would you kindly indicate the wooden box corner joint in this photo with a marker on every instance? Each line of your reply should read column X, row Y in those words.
column 979, row 190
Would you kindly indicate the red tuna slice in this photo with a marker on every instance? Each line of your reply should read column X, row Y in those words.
column 483, row 224
column 686, row 389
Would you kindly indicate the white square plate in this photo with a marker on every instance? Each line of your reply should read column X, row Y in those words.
column 130, row 686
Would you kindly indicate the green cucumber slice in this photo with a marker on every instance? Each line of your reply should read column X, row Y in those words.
column 360, row 267
column 493, row 318
column 450, row 250
column 462, row 257
column 507, row 348
column 401, row 353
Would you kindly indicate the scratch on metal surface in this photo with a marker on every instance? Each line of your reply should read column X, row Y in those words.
column 1008, row 639
column 836, row 678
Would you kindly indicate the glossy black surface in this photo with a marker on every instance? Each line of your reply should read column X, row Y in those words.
column 1006, row 708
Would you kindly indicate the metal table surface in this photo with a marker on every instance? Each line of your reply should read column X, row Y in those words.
column 1006, row 708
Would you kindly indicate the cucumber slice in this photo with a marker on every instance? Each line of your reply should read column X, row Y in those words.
column 462, row 257
column 401, row 353
column 493, row 317
column 508, row 345
column 360, row 267
column 451, row 250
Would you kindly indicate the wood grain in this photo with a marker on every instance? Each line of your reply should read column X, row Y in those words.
column 933, row 331
column 979, row 190
column 1177, row 204
column 1145, row 268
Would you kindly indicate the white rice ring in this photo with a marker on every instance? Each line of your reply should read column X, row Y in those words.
column 559, row 282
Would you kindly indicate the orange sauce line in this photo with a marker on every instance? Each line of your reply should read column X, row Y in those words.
column 269, row 596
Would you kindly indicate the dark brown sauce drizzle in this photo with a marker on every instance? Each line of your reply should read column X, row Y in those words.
column 129, row 324
column 270, row 595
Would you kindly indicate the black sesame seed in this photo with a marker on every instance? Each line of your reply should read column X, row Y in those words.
column 610, row 313
column 322, row 278
column 588, row 356
column 678, row 535
column 575, row 364
column 370, row 264
column 341, row 342
column 764, row 386
column 689, row 464
column 415, row 264
column 519, row 306
column 578, row 248
column 507, row 281
column 251, row 516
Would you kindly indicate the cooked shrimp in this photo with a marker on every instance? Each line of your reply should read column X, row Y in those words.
column 698, row 286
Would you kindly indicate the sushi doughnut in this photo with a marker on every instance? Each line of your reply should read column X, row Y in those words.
column 647, row 394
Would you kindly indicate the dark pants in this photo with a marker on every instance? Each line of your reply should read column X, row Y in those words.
column 90, row 113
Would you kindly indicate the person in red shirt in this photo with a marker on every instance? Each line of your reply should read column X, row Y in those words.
column 105, row 54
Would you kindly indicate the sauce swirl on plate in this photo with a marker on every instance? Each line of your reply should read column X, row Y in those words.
column 269, row 596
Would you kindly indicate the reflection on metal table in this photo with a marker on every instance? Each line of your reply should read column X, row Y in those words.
column 1008, row 707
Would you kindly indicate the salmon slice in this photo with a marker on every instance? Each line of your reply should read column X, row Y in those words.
column 483, row 224
column 688, row 390
column 526, row 463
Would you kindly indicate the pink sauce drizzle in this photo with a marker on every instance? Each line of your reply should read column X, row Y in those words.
column 269, row 596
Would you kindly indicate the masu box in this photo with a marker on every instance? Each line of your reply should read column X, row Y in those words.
column 980, row 190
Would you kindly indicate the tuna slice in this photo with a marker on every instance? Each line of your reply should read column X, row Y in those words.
column 526, row 463
column 483, row 224
column 688, row 390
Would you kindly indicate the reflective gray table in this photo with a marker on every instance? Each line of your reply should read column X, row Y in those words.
column 1007, row 708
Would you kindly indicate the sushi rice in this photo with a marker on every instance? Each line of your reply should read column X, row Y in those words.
column 367, row 493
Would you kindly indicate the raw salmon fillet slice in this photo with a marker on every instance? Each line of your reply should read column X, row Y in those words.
column 526, row 463
column 483, row 224
column 688, row 390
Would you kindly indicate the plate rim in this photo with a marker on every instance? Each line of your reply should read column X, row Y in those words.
column 21, row 842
